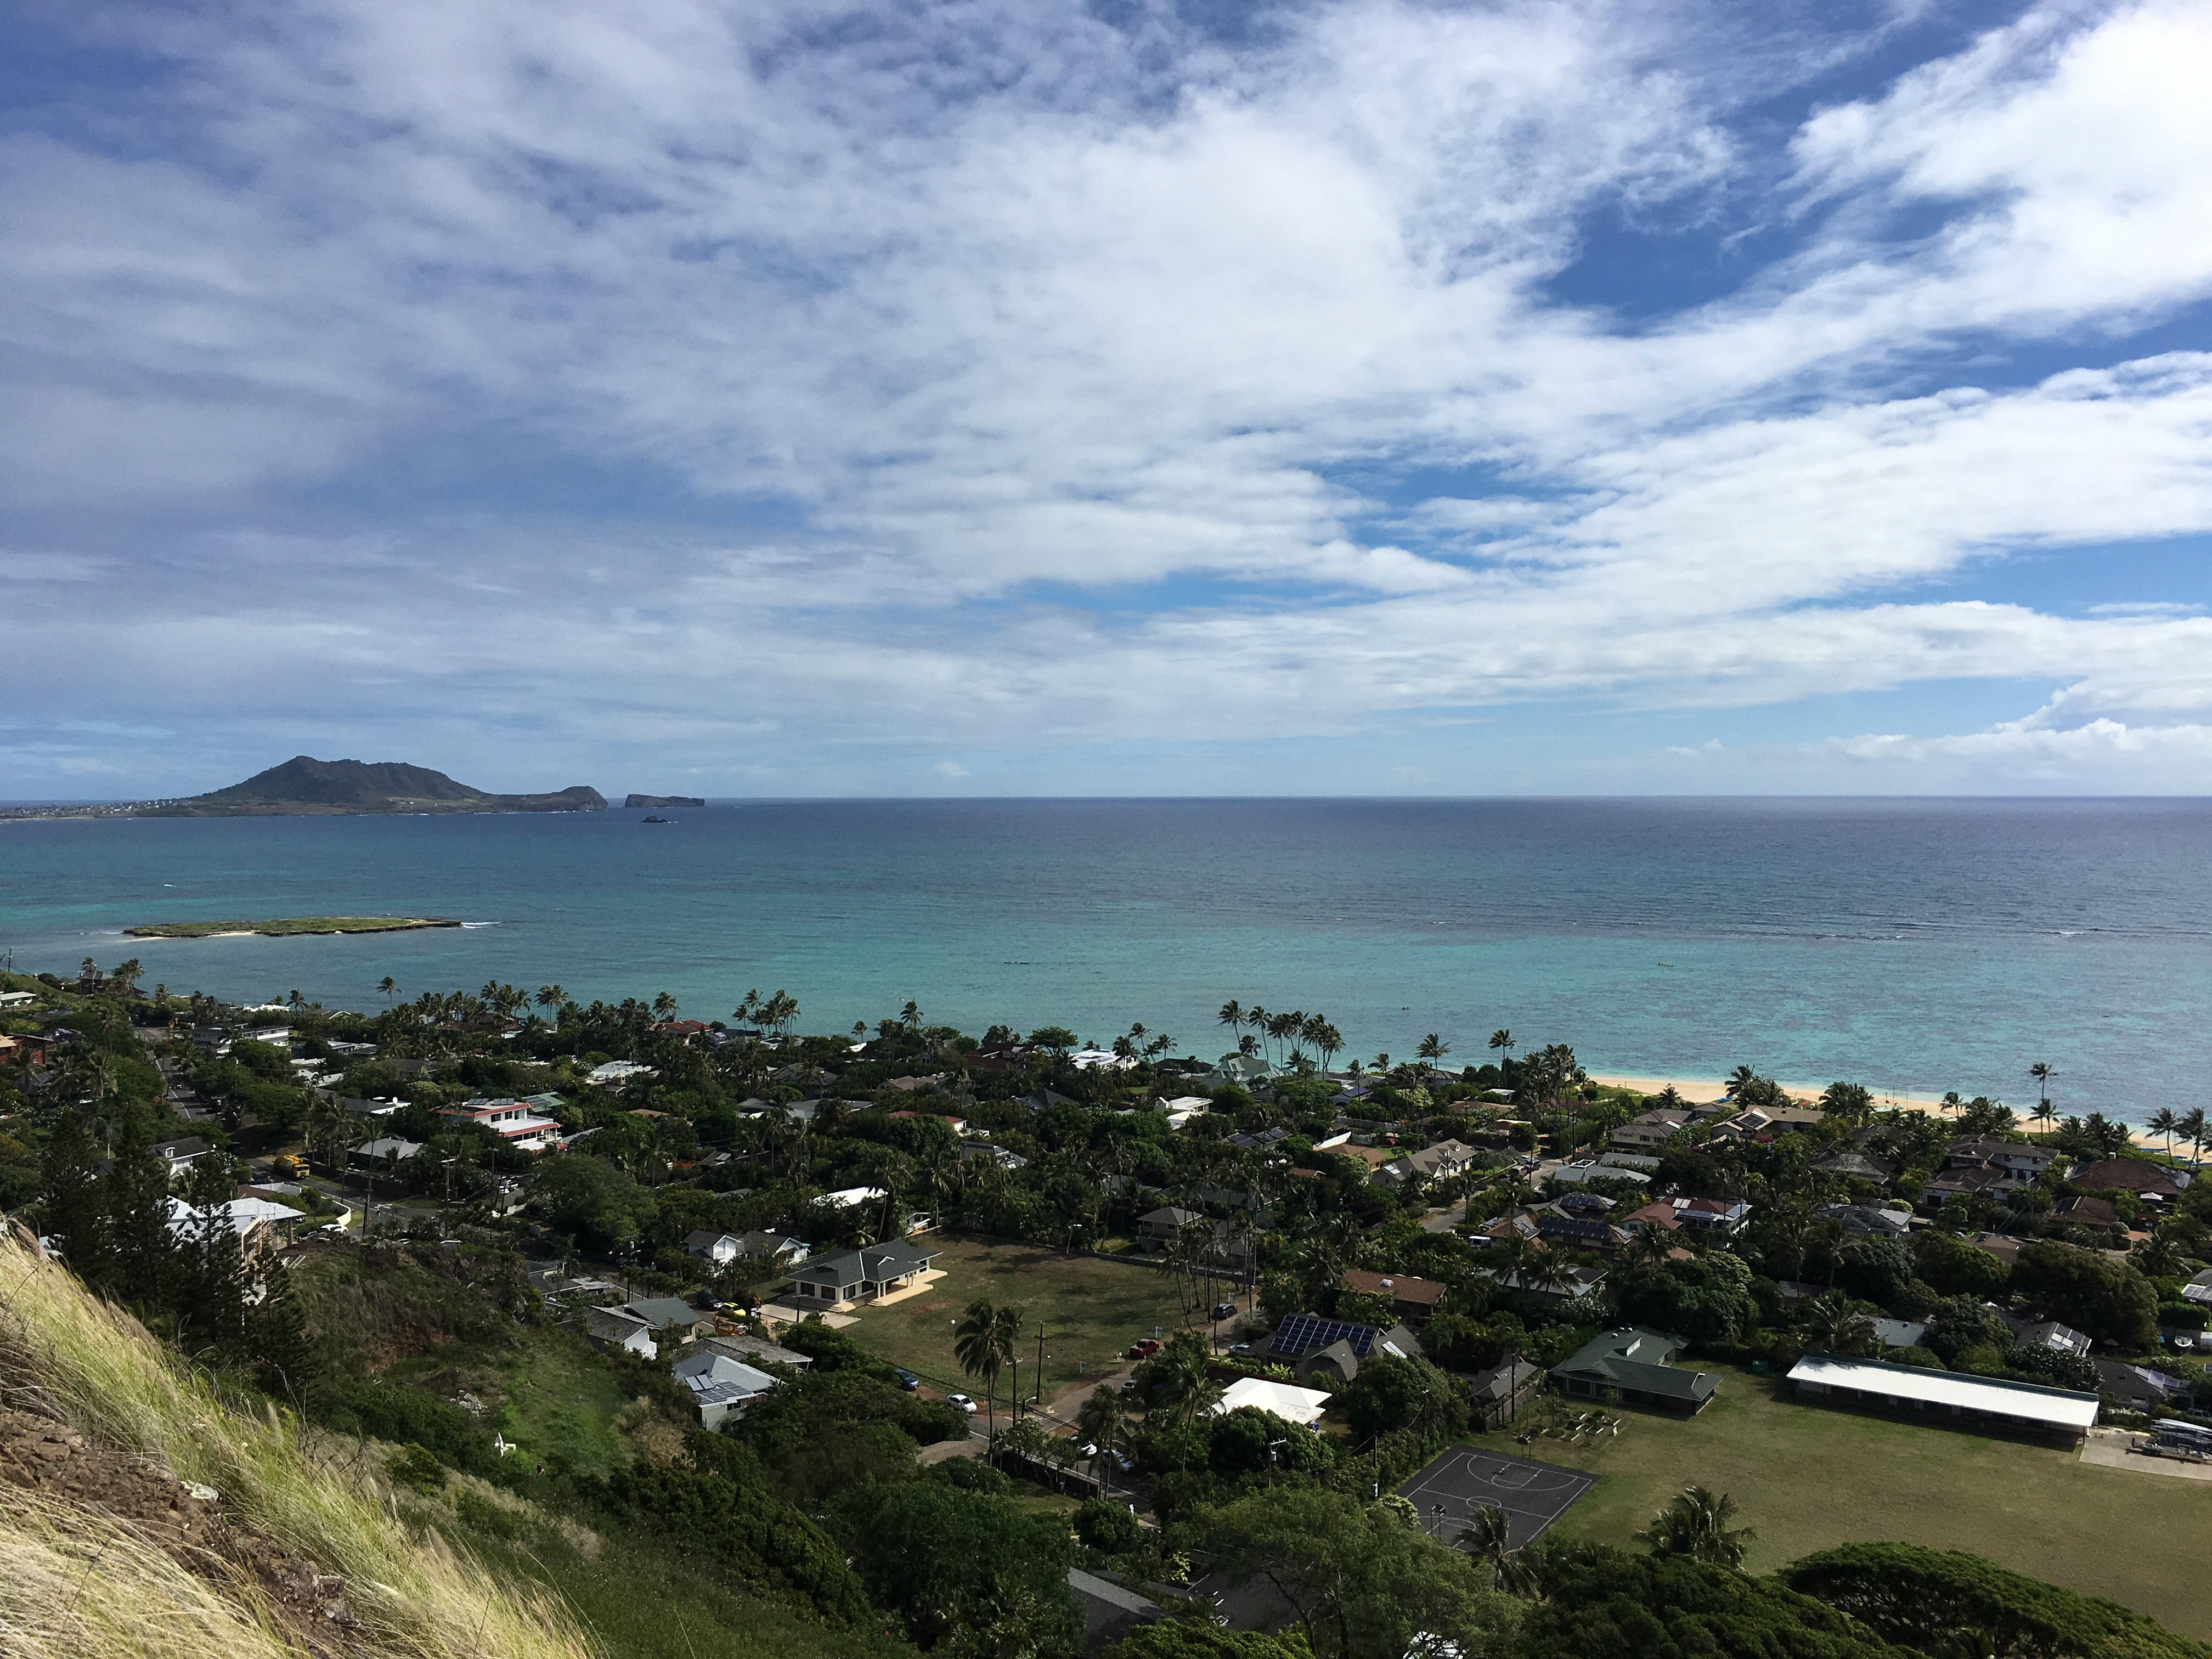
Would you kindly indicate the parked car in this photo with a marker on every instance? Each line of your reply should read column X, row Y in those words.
column 1143, row 1349
column 908, row 1380
column 961, row 1402
column 1224, row 1311
column 1240, row 1350
column 1122, row 1460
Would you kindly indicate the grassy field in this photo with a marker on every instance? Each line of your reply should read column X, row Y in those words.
column 1092, row 1310
column 1808, row 1477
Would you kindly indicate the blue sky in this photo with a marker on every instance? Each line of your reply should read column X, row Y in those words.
column 1007, row 398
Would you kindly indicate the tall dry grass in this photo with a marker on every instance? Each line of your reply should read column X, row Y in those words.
column 97, row 1369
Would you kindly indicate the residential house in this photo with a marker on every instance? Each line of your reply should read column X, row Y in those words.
column 181, row 1154
column 1331, row 1350
column 721, row 1386
column 1110, row 1611
column 868, row 1274
column 1497, row 1395
column 1649, row 1129
column 1765, row 1122
column 770, row 1245
column 1987, row 1164
column 1304, row 1406
column 1164, row 1226
column 1557, row 1225
column 1038, row 1100
column 1968, row 1180
column 1574, row 1175
column 2140, row 1389
column 1715, row 1218
column 1413, row 1301
column 1640, row 1161
column 1865, row 1221
column 2088, row 1211
column 2044, row 1334
column 1441, row 1162
column 1858, row 1166
column 1564, row 1283
column 2199, row 1288
column 1631, row 1362
column 709, row 1246
column 1183, row 1107
column 616, row 1073
column 260, row 1224
column 517, row 1123
column 1949, row 1397
column 756, row 1350
column 644, row 1322
column 2154, row 1183
column 386, row 1149
column 370, row 1108
column 1900, row 1332
column 984, row 1151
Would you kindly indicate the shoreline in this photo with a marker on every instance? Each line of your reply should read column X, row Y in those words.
column 1705, row 1089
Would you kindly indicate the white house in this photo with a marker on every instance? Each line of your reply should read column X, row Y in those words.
column 1293, row 1405
column 616, row 1073
column 517, row 1123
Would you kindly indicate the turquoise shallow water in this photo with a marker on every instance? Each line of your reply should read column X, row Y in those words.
column 1911, row 945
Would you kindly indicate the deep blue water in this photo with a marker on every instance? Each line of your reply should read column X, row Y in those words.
column 1912, row 945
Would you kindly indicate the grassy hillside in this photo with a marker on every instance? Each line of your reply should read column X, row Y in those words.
column 142, row 1583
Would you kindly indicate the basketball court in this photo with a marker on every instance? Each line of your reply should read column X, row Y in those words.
column 1465, row 1479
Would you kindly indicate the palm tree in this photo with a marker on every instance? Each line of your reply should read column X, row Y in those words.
column 2043, row 1072
column 983, row 1344
column 1502, row 1040
column 1184, row 1390
column 1431, row 1050
column 1833, row 1326
column 2165, row 1121
column 1488, row 1537
column 1232, row 1015
column 551, row 996
column 388, row 987
column 1695, row 1523
column 1256, row 1017
column 2192, row 1126
column 1104, row 1424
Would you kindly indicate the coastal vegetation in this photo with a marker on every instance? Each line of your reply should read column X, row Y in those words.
column 279, row 927
column 443, row 1363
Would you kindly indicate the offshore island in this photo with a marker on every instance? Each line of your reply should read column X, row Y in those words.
column 281, row 926
column 304, row 787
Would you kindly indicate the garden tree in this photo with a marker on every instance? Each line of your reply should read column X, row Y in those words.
column 1847, row 1102
column 1832, row 1324
column 720, row 1507
column 591, row 1200
column 1109, row 1529
column 72, row 1217
column 945, row 1561
column 1961, row 1323
column 1391, row 1393
column 1362, row 1584
column 1875, row 1270
column 1175, row 1383
column 1199, row 1638
column 1600, row 1601
column 819, row 1435
column 1695, row 1524
column 1250, row 1441
column 831, row 1350
column 1457, row 1343
column 1950, row 1605
column 1103, row 1422
column 1707, row 1300
column 2054, row 1368
column 134, row 1206
column 2108, row 1300
column 1951, row 1267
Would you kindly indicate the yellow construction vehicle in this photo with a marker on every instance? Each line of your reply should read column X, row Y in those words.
column 292, row 1164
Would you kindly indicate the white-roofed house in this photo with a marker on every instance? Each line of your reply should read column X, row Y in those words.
column 1293, row 1405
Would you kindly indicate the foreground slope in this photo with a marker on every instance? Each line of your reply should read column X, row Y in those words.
column 109, row 1544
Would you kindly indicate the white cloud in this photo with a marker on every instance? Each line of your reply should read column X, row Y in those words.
column 983, row 301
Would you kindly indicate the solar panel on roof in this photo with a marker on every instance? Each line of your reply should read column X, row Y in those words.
column 1302, row 1333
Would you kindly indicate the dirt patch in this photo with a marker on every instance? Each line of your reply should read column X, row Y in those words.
column 938, row 1306
column 56, row 1461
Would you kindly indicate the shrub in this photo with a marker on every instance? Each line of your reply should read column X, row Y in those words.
column 1109, row 1529
column 486, row 1516
column 416, row 1467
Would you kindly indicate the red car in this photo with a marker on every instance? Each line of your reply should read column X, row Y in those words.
column 1144, row 1350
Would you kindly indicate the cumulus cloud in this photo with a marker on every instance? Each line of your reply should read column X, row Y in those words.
column 813, row 392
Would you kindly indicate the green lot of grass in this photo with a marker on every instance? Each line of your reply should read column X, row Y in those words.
column 1808, row 1477
column 1092, row 1310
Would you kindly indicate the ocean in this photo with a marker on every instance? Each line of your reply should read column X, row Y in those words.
column 1915, row 946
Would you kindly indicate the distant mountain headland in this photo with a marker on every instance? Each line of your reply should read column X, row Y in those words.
column 665, row 800
column 306, row 786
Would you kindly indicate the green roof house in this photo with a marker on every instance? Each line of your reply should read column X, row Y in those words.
column 1631, row 1362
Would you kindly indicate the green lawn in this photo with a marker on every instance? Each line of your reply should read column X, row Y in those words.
column 1092, row 1309
column 1808, row 1477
